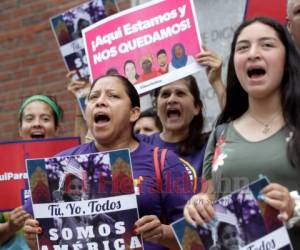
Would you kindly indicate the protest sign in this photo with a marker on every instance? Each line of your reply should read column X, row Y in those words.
column 13, row 177
column 242, row 222
column 267, row 8
column 151, row 44
column 217, row 20
column 84, row 201
column 67, row 28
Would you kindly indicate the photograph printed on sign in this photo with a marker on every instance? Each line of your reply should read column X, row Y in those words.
column 85, row 201
column 241, row 222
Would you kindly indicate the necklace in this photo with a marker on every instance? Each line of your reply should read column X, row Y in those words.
column 266, row 125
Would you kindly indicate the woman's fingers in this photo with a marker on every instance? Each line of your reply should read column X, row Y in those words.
column 208, row 57
column 199, row 210
column 147, row 223
column 70, row 74
column 153, row 232
column 17, row 218
column 149, row 227
column 31, row 226
column 31, row 229
column 189, row 214
column 20, row 219
column 279, row 197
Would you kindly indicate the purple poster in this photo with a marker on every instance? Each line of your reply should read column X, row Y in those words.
column 68, row 26
column 85, row 201
column 241, row 222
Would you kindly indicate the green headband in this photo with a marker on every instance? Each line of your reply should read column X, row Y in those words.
column 57, row 110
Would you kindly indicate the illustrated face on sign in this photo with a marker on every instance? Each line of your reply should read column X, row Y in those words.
column 130, row 71
column 147, row 66
column 178, row 51
column 162, row 60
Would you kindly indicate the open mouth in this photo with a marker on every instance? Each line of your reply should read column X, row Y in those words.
column 256, row 72
column 36, row 135
column 173, row 113
column 101, row 118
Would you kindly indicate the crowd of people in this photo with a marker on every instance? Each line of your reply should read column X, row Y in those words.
column 259, row 123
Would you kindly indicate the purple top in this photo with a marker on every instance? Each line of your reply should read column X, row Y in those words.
column 176, row 189
column 192, row 161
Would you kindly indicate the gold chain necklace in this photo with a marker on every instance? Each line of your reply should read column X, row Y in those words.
column 266, row 125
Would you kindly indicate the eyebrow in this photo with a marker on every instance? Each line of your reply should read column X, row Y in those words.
column 105, row 90
column 260, row 39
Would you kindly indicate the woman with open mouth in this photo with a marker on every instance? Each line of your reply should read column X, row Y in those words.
column 112, row 109
column 180, row 111
column 262, row 125
column 39, row 117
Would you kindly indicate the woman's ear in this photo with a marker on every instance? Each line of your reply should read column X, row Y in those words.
column 135, row 114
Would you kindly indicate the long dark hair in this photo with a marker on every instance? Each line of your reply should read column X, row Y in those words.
column 195, row 139
column 237, row 98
